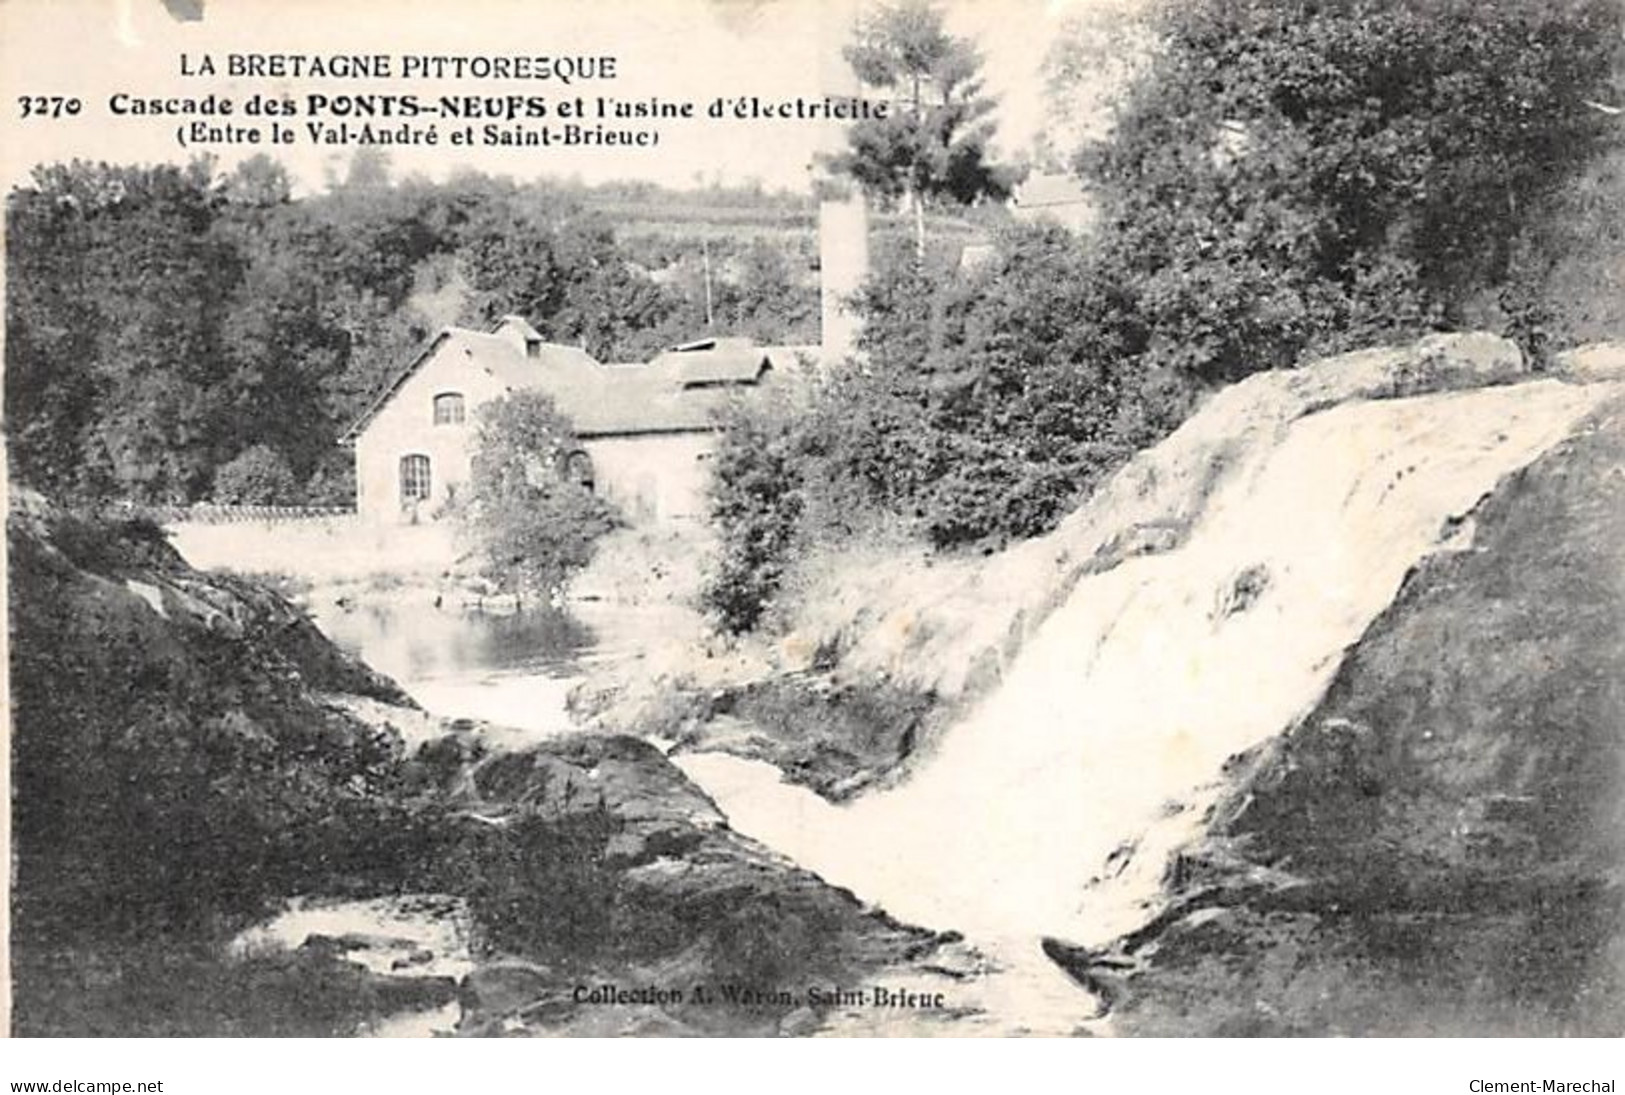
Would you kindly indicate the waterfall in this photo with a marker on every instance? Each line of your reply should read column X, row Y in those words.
column 1052, row 807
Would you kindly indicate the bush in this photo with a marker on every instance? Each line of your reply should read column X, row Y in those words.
column 257, row 476
column 756, row 504
column 990, row 404
column 333, row 481
column 532, row 521
column 1288, row 178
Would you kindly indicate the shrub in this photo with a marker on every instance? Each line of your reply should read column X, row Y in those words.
column 756, row 503
column 532, row 522
column 257, row 476
column 1290, row 178
column 990, row 403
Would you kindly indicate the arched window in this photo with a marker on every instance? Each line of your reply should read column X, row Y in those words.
column 578, row 469
column 415, row 481
column 448, row 409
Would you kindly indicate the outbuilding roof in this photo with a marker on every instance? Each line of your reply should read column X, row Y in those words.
column 715, row 362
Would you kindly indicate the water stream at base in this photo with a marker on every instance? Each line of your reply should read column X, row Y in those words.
column 517, row 671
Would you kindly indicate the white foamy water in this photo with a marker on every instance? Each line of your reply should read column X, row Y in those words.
column 423, row 935
column 1108, row 733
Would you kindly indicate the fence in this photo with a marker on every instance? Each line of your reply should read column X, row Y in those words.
column 210, row 514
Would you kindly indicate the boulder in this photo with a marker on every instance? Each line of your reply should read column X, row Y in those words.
column 1594, row 363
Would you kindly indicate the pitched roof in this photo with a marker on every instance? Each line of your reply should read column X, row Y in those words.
column 680, row 391
column 497, row 355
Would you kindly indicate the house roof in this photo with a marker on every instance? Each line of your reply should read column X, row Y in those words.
column 497, row 355
column 680, row 391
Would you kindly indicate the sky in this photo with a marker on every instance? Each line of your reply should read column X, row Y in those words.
column 672, row 49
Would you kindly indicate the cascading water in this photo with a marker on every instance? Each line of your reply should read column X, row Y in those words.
column 1052, row 808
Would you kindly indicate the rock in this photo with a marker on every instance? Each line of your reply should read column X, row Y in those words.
column 1437, row 848
column 835, row 736
column 507, row 986
column 1594, row 363
column 357, row 941
column 414, row 958
column 180, row 776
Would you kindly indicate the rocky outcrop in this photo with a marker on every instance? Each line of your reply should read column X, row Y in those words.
column 1439, row 847
column 592, row 862
column 193, row 758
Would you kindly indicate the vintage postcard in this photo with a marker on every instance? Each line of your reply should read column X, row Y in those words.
column 913, row 518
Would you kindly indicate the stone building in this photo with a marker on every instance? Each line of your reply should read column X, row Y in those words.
column 646, row 431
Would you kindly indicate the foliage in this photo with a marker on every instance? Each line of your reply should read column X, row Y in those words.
column 1284, row 178
column 532, row 518
column 932, row 147
column 257, row 476
column 1568, row 268
column 1291, row 177
column 1007, row 396
column 1092, row 56
column 986, row 404
column 756, row 503
column 161, row 320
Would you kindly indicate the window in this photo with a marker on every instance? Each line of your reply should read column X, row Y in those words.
column 415, row 482
column 448, row 409
column 578, row 469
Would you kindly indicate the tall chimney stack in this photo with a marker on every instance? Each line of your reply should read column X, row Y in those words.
column 843, row 212
column 843, row 264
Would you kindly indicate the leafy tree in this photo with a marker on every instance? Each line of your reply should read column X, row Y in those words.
column 116, row 289
column 1091, row 58
column 933, row 147
column 991, row 402
column 1292, row 176
column 768, row 301
column 257, row 476
column 530, row 516
column 258, row 181
column 756, row 501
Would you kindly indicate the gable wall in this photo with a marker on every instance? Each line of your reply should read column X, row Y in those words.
column 406, row 425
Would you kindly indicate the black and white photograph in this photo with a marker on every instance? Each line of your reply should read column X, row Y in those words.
column 1013, row 519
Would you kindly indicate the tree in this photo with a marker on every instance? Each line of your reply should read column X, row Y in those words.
column 1289, row 177
column 1089, row 62
column 990, row 403
column 113, row 361
column 257, row 476
column 756, row 502
column 933, row 146
column 531, row 517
